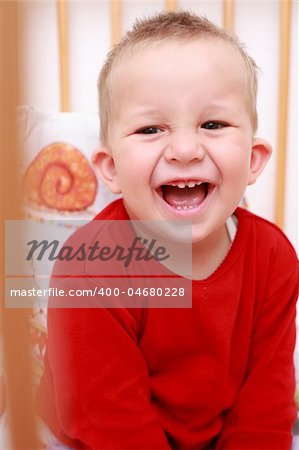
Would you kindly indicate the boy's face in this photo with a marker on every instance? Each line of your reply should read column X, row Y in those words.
column 181, row 143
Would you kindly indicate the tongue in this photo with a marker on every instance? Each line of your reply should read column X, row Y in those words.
column 175, row 196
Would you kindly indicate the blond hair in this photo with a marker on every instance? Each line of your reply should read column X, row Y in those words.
column 164, row 27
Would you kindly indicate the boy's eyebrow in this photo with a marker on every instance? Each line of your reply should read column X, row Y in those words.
column 220, row 109
column 216, row 108
column 144, row 111
column 141, row 114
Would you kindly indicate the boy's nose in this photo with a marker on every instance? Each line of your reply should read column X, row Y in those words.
column 184, row 148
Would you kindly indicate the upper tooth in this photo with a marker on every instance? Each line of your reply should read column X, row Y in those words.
column 190, row 184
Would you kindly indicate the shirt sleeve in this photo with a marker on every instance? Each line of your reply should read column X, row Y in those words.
column 264, row 411
column 101, row 382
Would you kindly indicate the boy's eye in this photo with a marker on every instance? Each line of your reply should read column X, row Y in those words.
column 149, row 130
column 213, row 125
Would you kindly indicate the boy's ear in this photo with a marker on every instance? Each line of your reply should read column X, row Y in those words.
column 260, row 153
column 105, row 167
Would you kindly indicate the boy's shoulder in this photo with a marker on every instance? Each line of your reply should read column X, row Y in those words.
column 264, row 235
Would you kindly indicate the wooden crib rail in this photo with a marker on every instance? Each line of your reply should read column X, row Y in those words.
column 14, row 322
column 282, row 110
column 170, row 5
column 228, row 14
column 116, row 28
column 62, row 20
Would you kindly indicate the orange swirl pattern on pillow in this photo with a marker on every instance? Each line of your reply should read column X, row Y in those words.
column 60, row 178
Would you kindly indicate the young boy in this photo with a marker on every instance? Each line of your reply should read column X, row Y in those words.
column 178, row 123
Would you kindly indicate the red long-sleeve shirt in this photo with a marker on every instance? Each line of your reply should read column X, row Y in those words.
column 219, row 375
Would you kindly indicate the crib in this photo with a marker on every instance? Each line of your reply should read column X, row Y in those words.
column 69, row 40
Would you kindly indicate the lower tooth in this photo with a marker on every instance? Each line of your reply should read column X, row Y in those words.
column 180, row 208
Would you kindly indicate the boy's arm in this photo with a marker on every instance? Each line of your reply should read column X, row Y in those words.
column 101, row 381
column 264, row 411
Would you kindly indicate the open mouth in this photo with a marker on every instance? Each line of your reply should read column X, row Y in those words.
column 185, row 195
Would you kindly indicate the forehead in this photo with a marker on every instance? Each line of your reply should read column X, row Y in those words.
column 214, row 61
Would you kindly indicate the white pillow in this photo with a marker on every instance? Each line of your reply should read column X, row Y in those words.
column 58, row 179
